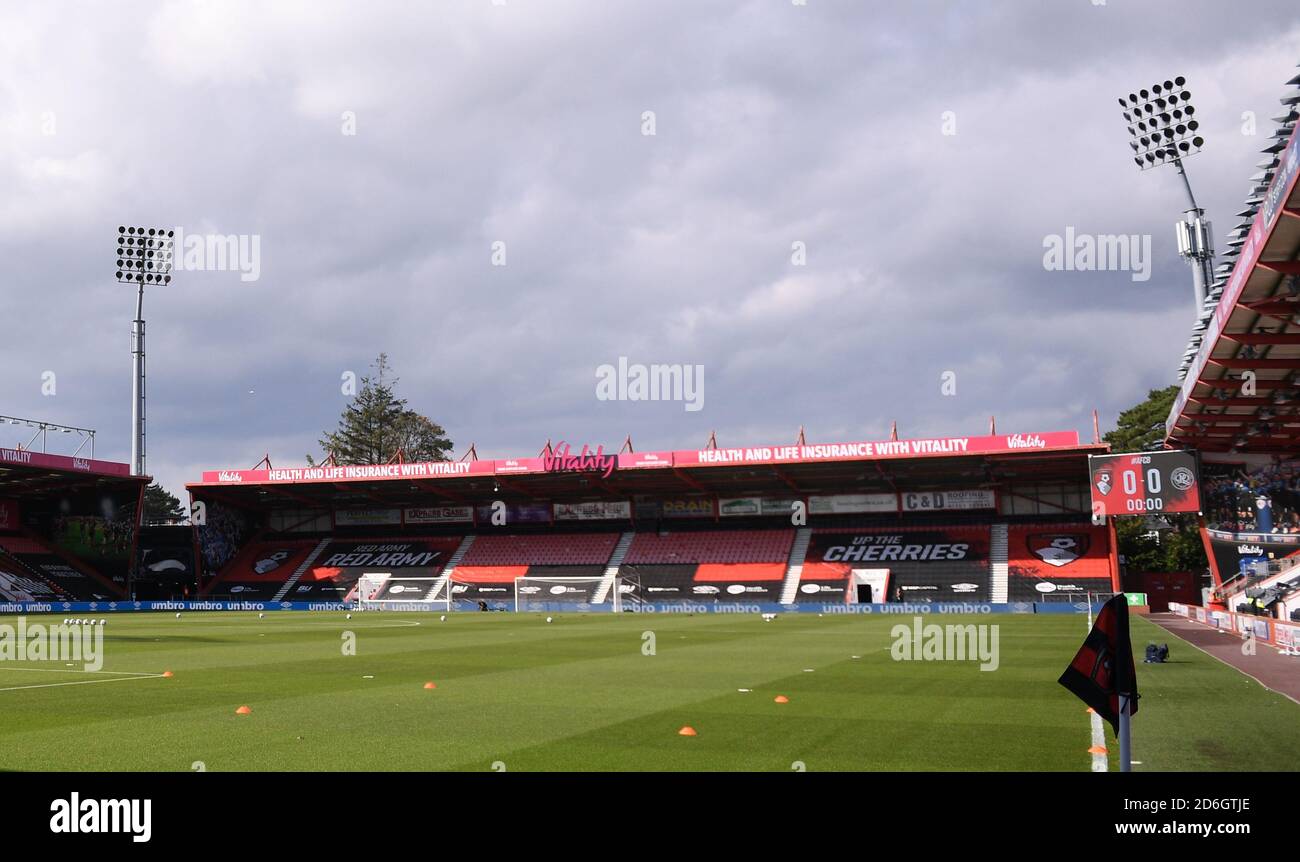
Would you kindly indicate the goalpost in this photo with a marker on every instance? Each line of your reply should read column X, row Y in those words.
column 384, row 591
column 594, row 593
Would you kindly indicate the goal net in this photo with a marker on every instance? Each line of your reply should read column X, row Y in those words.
column 385, row 591
column 595, row 593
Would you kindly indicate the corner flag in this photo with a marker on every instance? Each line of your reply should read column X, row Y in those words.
column 1102, row 670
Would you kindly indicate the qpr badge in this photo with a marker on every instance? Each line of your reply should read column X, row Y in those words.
column 1102, row 480
column 1058, row 549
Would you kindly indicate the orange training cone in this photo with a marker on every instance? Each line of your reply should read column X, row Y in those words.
column 167, row 674
column 429, row 685
column 686, row 731
column 1097, row 749
column 780, row 698
column 243, row 710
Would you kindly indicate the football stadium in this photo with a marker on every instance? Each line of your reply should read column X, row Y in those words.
column 994, row 600
column 710, row 609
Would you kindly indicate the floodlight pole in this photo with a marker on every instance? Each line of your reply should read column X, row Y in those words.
column 137, row 385
column 1194, row 242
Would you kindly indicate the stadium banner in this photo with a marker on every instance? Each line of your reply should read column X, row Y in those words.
column 167, row 557
column 348, row 473
column 165, row 605
column 742, row 506
column 1277, row 632
column 848, row 504
column 1057, row 560
column 27, row 458
column 10, row 515
column 932, row 564
column 644, row 460
column 783, row 506
column 739, row 506
column 563, row 459
column 617, row 510
column 438, row 515
column 517, row 513
column 1140, row 483
column 686, row 507
column 506, row 592
column 941, row 501
column 341, row 564
column 507, row 466
column 878, row 449
column 368, row 517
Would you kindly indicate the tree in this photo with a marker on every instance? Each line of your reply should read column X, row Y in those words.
column 377, row 424
column 161, row 505
column 1143, row 425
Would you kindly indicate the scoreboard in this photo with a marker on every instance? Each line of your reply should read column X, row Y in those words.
column 1144, row 483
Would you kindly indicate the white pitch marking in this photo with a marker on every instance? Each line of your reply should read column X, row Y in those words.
column 1100, row 763
column 83, row 681
column 74, row 670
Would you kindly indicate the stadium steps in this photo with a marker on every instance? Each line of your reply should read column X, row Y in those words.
column 794, row 565
column 998, row 563
column 302, row 567
column 613, row 565
column 461, row 550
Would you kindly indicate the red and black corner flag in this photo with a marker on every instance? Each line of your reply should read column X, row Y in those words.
column 1103, row 667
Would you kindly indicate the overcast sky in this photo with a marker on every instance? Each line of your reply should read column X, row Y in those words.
column 376, row 152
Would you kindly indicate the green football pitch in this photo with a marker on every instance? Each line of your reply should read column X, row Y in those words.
column 607, row 692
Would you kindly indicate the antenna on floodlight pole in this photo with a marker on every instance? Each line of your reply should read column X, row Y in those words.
column 1164, row 131
column 144, row 257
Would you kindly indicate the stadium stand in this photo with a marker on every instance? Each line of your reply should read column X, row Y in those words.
column 1232, row 495
column 723, row 565
column 488, row 570
column 710, row 546
column 30, row 567
column 574, row 549
column 259, row 569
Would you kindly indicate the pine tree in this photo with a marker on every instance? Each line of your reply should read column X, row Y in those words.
column 161, row 505
column 377, row 425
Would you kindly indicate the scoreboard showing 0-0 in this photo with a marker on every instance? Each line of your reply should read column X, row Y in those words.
column 1143, row 483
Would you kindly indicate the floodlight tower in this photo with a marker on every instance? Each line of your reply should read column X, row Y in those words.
column 144, row 256
column 1161, row 121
